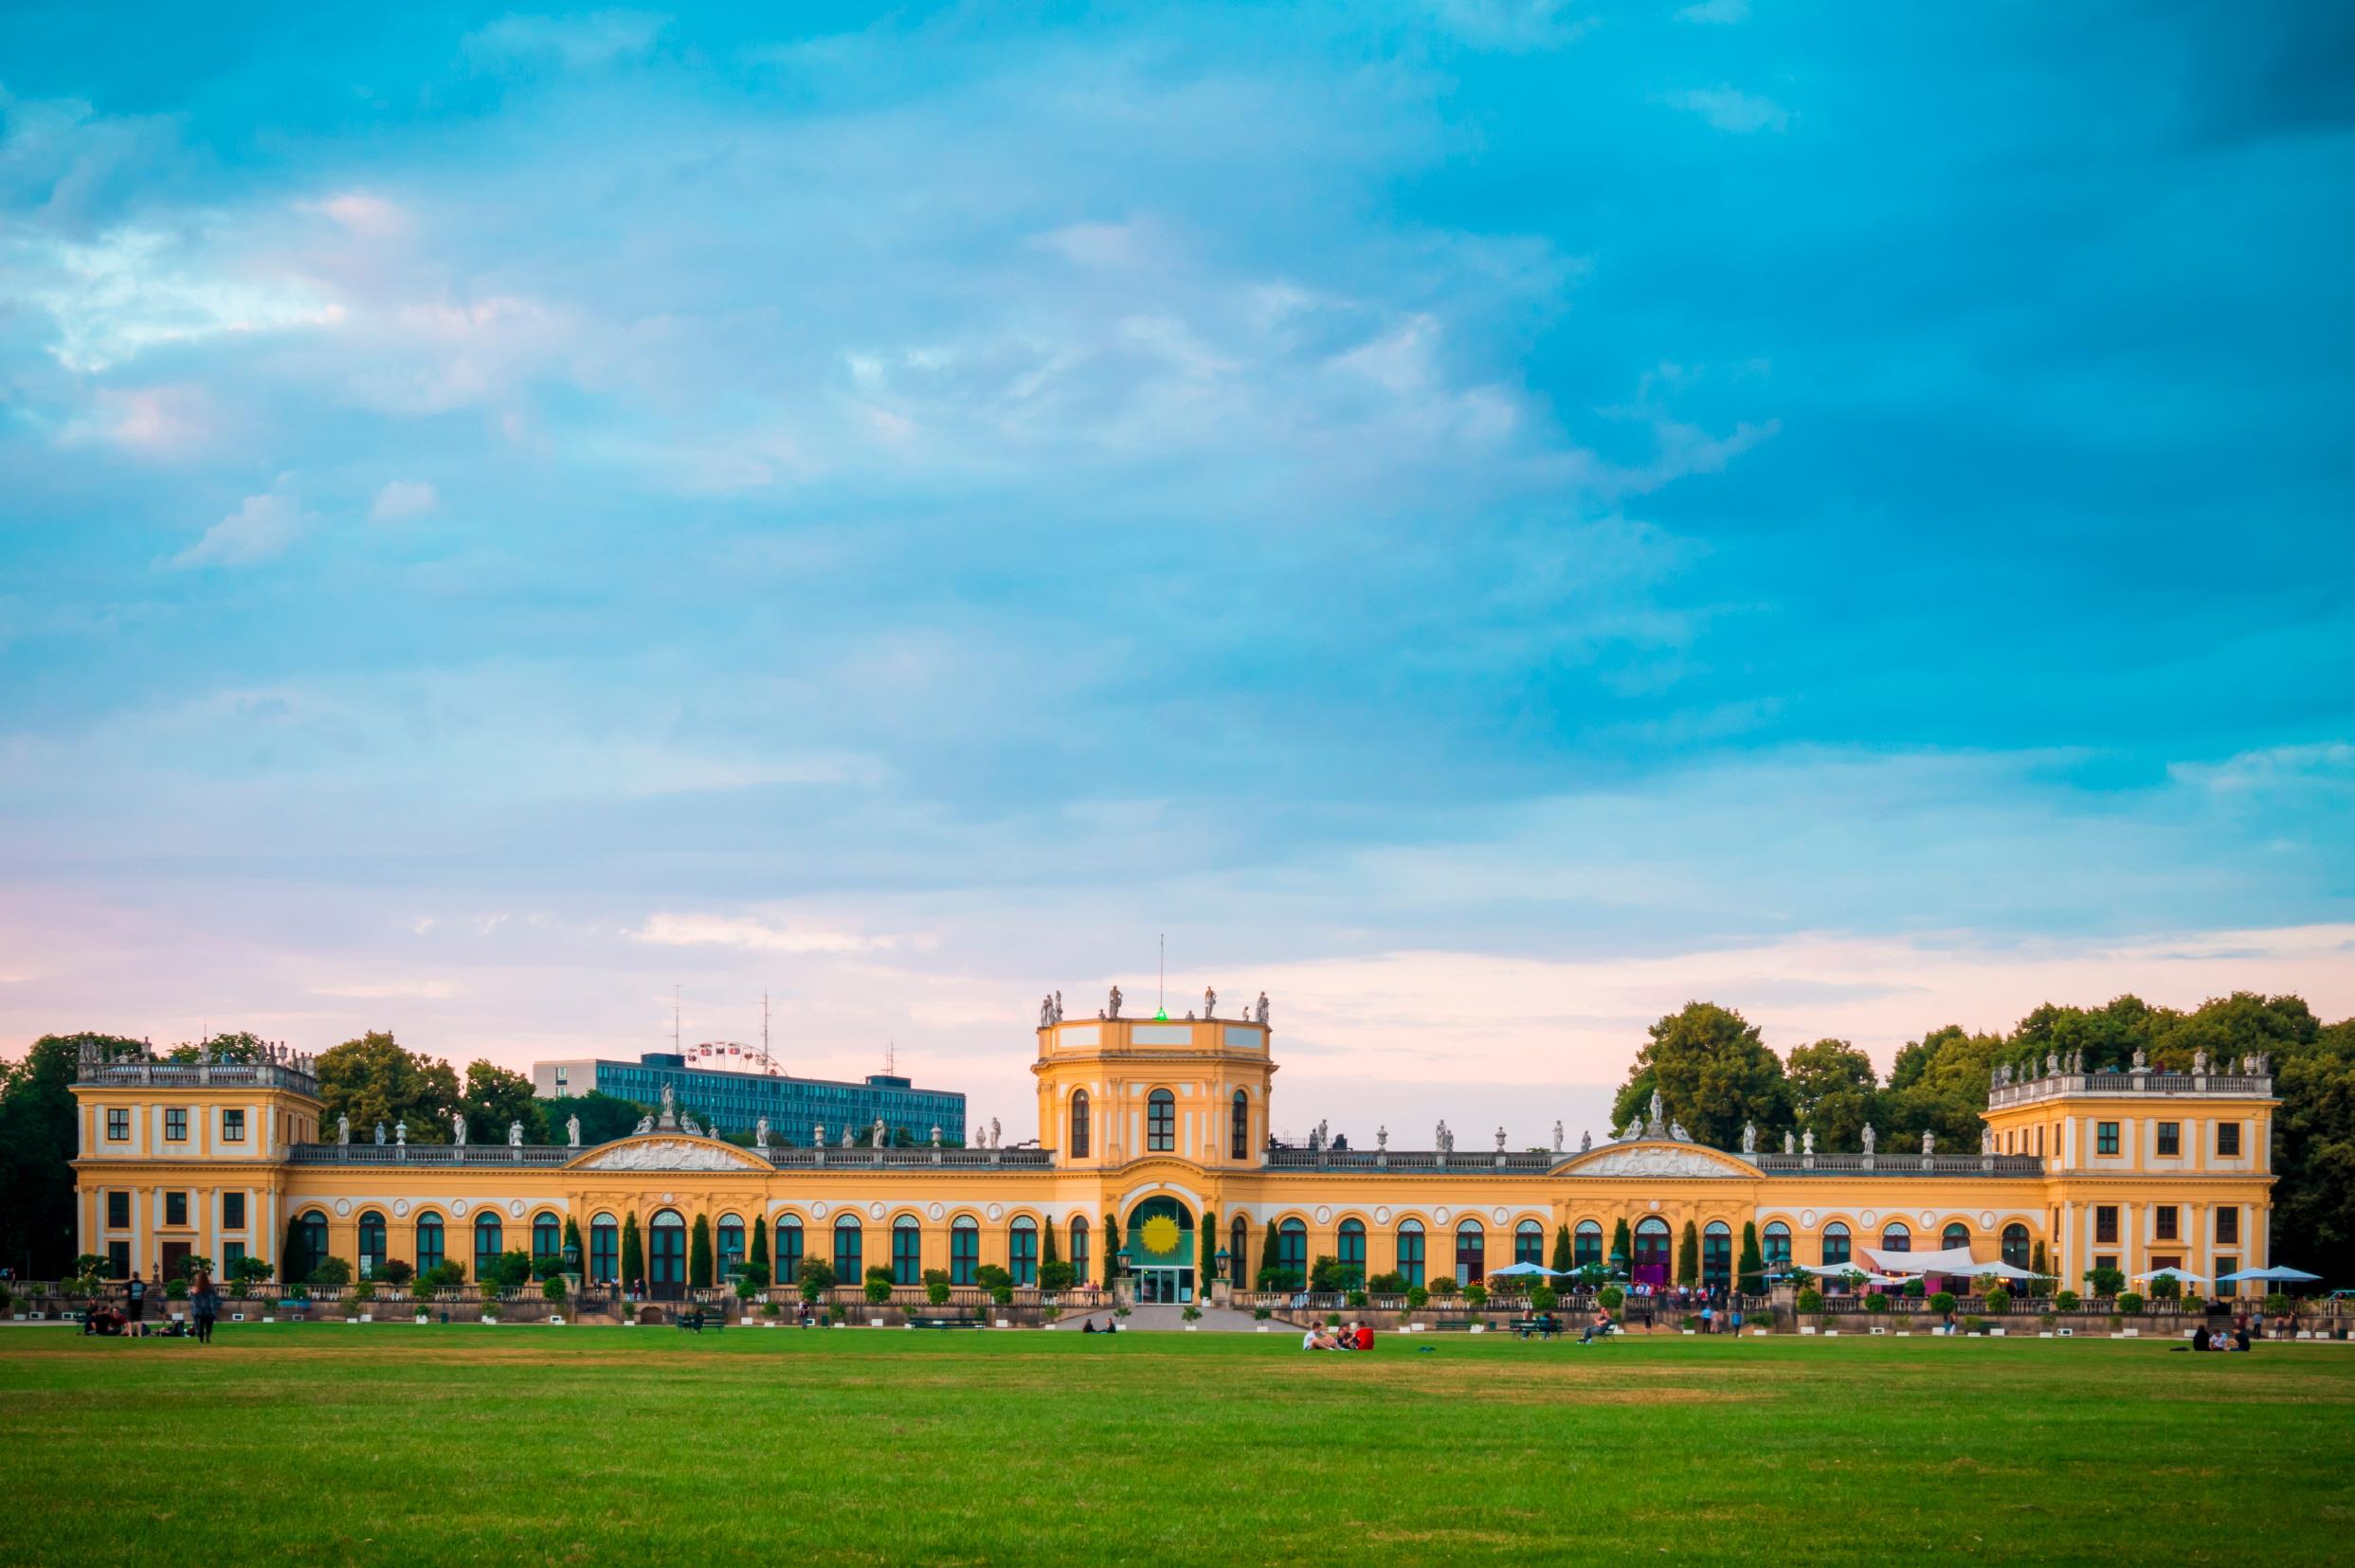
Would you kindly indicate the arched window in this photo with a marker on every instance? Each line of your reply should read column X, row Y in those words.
column 1835, row 1245
column 604, row 1250
column 1778, row 1247
column 2015, row 1245
column 1717, row 1257
column 1080, row 1125
column 1292, row 1250
column 1021, row 1253
column 371, row 1243
column 1471, row 1253
column 547, row 1236
column 789, row 1248
column 1160, row 1122
column 1410, row 1251
column 311, row 1234
column 1896, row 1239
column 1238, row 1136
column 1957, row 1234
column 1353, row 1257
column 1079, row 1249
column 428, row 1242
column 907, row 1252
column 849, row 1251
column 489, row 1237
column 1529, row 1243
column 1586, row 1244
column 1238, row 1250
column 964, row 1249
column 731, row 1246
column 667, row 1255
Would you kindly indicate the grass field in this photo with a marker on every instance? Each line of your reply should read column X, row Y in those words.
column 397, row 1444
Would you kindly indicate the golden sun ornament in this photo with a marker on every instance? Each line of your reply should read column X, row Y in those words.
column 1161, row 1235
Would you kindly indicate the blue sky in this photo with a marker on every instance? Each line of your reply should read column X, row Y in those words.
column 1486, row 520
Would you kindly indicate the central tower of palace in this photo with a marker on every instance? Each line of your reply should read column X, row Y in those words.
column 1112, row 1091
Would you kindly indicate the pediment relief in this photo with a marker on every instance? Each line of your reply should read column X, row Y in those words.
column 1659, row 1160
column 668, row 1153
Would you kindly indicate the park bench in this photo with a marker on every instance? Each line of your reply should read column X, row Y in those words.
column 944, row 1323
column 696, row 1321
column 1458, row 1326
column 1545, row 1328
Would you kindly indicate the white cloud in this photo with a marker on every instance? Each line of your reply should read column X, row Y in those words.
column 132, row 291
column 258, row 530
column 1731, row 109
column 403, row 498
column 744, row 931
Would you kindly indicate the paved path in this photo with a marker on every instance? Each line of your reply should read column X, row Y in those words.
column 1215, row 1320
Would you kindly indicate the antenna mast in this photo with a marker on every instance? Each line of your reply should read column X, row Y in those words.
column 674, row 1046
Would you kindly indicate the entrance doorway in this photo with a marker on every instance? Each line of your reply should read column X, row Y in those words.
column 1161, row 1250
column 666, row 1257
column 1165, row 1287
column 1652, row 1248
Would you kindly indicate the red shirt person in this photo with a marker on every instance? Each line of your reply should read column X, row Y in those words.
column 1365, row 1336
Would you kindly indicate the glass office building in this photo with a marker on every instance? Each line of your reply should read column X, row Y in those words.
column 732, row 1102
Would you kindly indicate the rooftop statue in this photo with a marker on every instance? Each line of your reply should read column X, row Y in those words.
column 2199, row 1064
column 515, row 1135
column 1382, row 1138
column 343, row 1128
column 1868, row 1138
column 1807, row 1140
column 458, row 1127
column 572, row 1131
column 645, row 1123
column 1113, row 1006
column 1586, row 1142
column 2052, row 1064
column 670, row 1106
column 1675, row 1130
column 1986, row 1140
column 400, row 1133
column 2142, row 1060
column 1209, row 1002
column 380, row 1135
column 1059, row 1007
column 935, row 1135
column 1047, row 1011
column 1749, row 1137
column 1929, row 1143
column 846, row 1137
column 1500, row 1140
column 1261, row 1016
column 1557, row 1138
column 760, row 1133
column 1789, row 1142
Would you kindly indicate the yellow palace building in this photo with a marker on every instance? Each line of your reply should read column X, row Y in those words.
column 1154, row 1129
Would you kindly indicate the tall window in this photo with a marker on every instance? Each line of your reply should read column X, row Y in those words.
column 849, row 1250
column 1160, row 1122
column 176, row 1211
column 175, row 1124
column 119, row 1209
column 1080, row 1125
column 2228, row 1229
column 488, row 1235
column 1717, row 1257
column 232, row 1127
column 667, row 1255
column 1529, row 1243
column 1835, row 1245
column 604, row 1250
column 371, row 1243
column 1240, row 1133
column 2105, row 1138
column 789, row 1248
column 1410, row 1249
column 2105, row 1222
column 964, row 1249
column 730, row 1240
column 1955, row 1236
column 1354, row 1248
column 1291, row 1248
column 1079, row 1249
column 1471, row 1253
column 1021, row 1253
column 118, row 1126
column 547, row 1236
column 2228, row 1139
column 2165, row 1215
column 1238, row 1250
column 1778, row 1247
column 2015, row 1245
column 428, row 1242
column 313, row 1240
column 1586, row 1244
column 2170, row 1139
column 907, row 1252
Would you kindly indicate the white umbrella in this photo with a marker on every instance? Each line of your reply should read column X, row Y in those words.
column 2279, row 1271
column 2007, row 1271
column 2183, row 1274
column 1526, row 1270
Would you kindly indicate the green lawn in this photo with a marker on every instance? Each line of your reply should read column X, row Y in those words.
column 480, row 1445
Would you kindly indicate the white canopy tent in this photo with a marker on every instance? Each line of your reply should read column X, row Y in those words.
column 1842, row 1270
column 1955, row 1260
column 2183, row 1274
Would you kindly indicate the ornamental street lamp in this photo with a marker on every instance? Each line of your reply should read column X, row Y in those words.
column 1221, row 1261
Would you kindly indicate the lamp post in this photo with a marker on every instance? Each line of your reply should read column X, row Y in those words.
column 1221, row 1287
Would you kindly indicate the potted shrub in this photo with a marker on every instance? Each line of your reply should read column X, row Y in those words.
column 1476, row 1296
column 878, row 1290
column 1416, row 1296
column 1357, row 1298
column 936, row 1291
column 551, row 1289
column 1002, row 1294
column 2129, row 1305
column 1998, row 1300
column 1261, row 1313
column 2065, row 1301
column 1809, row 1301
column 1876, row 1304
column 1192, row 1313
column 769, row 1310
column 1050, row 1312
column 362, row 1295
column 838, row 1314
column 491, row 1310
column 1974, row 1325
column 1941, row 1302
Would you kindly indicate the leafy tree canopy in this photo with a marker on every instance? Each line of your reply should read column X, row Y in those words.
column 1713, row 1072
column 372, row 1079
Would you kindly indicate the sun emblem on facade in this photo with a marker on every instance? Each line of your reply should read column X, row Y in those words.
column 1161, row 1235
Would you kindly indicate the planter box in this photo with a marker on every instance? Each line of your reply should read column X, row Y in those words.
column 1876, row 1330
column 874, row 1322
column 1003, row 1323
column 1831, row 1333
column 1263, row 1329
column 1479, row 1328
column 556, row 1319
column 1690, row 1332
column 1997, row 1333
column 1760, row 1333
column 1807, row 1329
column 1190, row 1327
column 490, row 1320
column 2065, row 1333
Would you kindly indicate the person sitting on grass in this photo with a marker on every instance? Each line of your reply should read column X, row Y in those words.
column 103, row 1319
column 1365, row 1336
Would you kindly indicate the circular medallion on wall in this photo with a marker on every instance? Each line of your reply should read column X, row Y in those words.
column 1866, row 1219
column 668, row 1198
column 996, row 1212
column 817, row 1211
column 1986, row 1219
column 343, row 1207
column 1807, row 1220
column 400, row 1207
column 458, row 1206
column 1656, row 1205
column 1440, row 1214
column 514, row 1207
column 874, row 1211
column 1323, row 1215
column 935, row 1211
column 1499, row 1215
column 1382, row 1214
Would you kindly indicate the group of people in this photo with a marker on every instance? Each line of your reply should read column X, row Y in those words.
column 1353, row 1336
column 204, row 1308
column 2235, row 1339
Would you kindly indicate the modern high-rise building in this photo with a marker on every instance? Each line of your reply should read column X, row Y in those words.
column 735, row 1101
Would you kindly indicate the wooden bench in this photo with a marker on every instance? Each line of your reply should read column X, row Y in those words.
column 696, row 1321
column 1545, row 1328
column 944, row 1323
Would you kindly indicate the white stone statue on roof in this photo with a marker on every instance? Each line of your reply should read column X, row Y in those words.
column 1261, row 1014
column 1868, row 1138
column 1986, row 1140
column 380, row 1135
column 1807, row 1140
column 1929, row 1143
column 1209, row 1002
column 1749, row 1137
column 343, row 1127
column 1112, row 1006
column 458, row 1126
column 515, row 1135
column 572, row 1131
column 1586, row 1142
column 400, row 1133
column 760, row 1133
column 1789, row 1142
column 1557, row 1138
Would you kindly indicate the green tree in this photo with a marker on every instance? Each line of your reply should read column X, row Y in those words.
column 38, row 1142
column 372, row 1079
column 2313, row 1221
column 604, row 1117
column 1112, row 1249
column 699, row 1254
column 572, row 1240
column 1048, row 1251
column 759, row 1258
column 1833, row 1089
column 1562, row 1254
column 633, row 1251
column 1713, row 1072
column 1209, row 1265
column 294, row 1259
column 241, row 1046
column 1751, row 1271
column 1688, row 1256
column 1938, row 1085
column 495, row 1097
column 1269, row 1252
column 1623, row 1246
